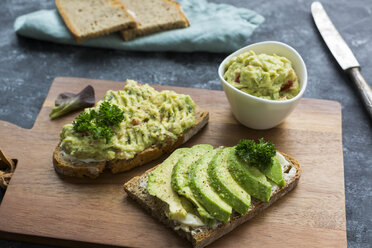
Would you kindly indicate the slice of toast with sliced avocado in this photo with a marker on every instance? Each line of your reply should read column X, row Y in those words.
column 127, row 128
column 203, row 193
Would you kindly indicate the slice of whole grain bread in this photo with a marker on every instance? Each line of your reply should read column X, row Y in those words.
column 63, row 165
column 202, row 236
column 153, row 16
column 91, row 18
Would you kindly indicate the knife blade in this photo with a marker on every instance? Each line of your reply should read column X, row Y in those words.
column 342, row 53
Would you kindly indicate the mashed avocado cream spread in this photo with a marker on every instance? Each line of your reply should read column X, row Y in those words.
column 150, row 117
column 267, row 76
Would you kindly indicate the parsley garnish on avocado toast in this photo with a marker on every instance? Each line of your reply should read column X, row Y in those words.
column 99, row 124
column 258, row 155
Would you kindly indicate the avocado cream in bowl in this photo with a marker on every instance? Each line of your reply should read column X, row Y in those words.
column 267, row 76
column 263, row 83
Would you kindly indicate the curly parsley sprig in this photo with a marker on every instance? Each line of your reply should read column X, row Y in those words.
column 258, row 155
column 99, row 124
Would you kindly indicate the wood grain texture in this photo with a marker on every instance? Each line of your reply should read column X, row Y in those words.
column 41, row 206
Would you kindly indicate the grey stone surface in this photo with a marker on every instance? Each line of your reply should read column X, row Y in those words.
column 27, row 69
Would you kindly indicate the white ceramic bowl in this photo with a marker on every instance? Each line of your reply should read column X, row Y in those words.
column 259, row 113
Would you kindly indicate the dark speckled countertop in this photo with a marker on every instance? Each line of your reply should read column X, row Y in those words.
column 28, row 67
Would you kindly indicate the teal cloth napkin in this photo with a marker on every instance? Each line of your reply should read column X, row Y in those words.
column 213, row 28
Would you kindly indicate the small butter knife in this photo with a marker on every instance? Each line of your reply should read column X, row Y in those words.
column 342, row 53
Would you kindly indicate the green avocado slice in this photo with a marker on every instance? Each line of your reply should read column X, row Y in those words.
column 224, row 184
column 202, row 190
column 180, row 177
column 159, row 184
column 249, row 178
column 274, row 172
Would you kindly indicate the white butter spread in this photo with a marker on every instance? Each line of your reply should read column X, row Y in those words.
column 191, row 220
column 283, row 162
column 274, row 187
column 143, row 183
column 73, row 159
column 288, row 176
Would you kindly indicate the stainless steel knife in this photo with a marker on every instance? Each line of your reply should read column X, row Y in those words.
column 342, row 53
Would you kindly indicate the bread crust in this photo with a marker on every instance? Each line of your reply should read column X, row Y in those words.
column 93, row 170
column 181, row 12
column 205, row 235
column 80, row 38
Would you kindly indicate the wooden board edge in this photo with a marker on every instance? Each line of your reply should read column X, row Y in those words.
column 44, row 240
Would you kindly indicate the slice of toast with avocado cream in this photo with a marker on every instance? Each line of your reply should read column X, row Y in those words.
column 193, row 227
column 150, row 123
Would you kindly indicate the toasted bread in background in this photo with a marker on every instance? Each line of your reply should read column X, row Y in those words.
column 66, row 167
column 153, row 16
column 202, row 236
column 91, row 18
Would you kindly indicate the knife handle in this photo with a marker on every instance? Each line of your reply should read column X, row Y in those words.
column 363, row 88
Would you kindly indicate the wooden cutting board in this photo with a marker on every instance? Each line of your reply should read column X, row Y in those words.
column 40, row 206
